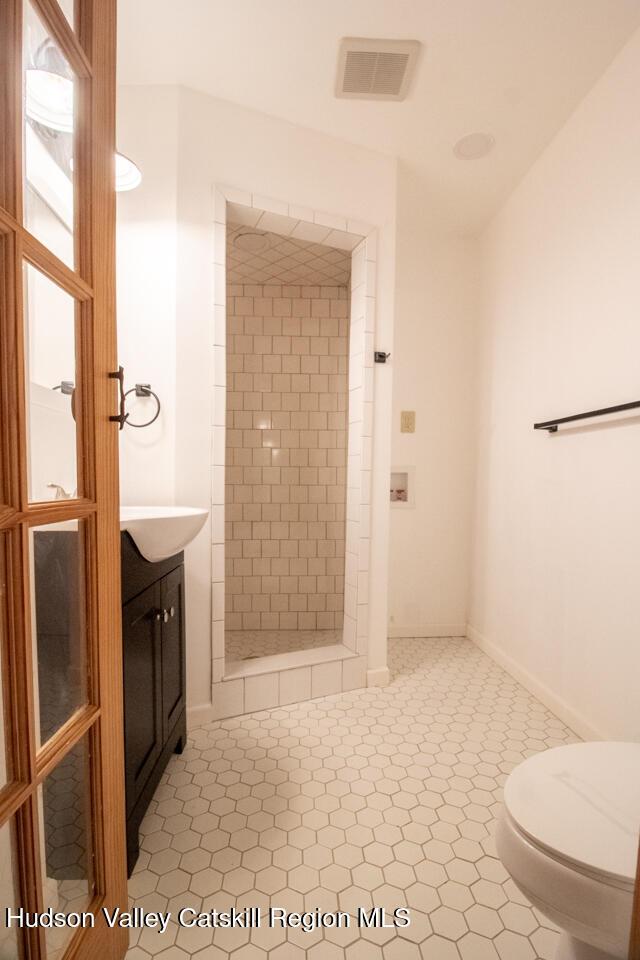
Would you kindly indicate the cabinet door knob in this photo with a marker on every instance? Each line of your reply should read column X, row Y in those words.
column 172, row 612
column 165, row 616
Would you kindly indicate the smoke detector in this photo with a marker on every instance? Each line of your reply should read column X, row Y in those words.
column 375, row 69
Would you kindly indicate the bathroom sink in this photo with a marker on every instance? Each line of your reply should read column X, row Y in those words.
column 160, row 532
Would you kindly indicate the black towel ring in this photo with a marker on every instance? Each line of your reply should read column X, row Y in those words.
column 144, row 390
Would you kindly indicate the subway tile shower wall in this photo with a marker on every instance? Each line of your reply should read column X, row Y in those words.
column 286, row 456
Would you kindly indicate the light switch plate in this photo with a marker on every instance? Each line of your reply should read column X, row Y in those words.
column 408, row 421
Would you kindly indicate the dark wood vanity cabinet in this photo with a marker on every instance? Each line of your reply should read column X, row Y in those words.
column 154, row 677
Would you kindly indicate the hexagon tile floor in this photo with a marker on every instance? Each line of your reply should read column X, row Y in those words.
column 379, row 797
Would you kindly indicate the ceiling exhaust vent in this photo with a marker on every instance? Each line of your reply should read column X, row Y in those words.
column 375, row 69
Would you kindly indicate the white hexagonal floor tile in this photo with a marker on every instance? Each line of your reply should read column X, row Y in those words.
column 378, row 797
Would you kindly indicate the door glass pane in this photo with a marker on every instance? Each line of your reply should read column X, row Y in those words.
column 64, row 809
column 67, row 7
column 3, row 640
column 49, row 93
column 58, row 617
column 50, row 375
column 9, row 935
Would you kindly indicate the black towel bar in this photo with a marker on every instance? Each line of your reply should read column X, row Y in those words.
column 552, row 425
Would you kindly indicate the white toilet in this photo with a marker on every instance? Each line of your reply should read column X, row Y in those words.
column 569, row 838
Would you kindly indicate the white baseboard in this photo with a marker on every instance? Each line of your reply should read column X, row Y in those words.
column 378, row 678
column 419, row 630
column 572, row 718
column 198, row 716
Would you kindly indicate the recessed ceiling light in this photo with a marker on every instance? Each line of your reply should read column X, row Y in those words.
column 474, row 146
column 251, row 241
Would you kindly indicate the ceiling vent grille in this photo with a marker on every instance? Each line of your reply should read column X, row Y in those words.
column 375, row 69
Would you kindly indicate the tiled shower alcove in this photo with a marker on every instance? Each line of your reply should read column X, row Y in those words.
column 290, row 677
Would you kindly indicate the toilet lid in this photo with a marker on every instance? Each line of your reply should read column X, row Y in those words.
column 582, row 803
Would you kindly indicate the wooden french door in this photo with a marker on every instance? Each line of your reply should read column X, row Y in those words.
column 62, row 845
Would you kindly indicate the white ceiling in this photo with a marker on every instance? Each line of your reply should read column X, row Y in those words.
column 513, row 68
column 285, row 260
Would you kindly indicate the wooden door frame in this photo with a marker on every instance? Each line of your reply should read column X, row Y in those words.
column 90, row 49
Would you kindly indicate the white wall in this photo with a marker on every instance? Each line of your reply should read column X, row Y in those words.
column 219, row 142
column 557, row 526
column 434, row 366
column 146, row 250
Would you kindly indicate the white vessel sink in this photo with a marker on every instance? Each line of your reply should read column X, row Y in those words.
column 159, row 532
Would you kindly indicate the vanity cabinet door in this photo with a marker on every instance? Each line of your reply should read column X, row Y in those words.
column 142, row 653
column 173, row 665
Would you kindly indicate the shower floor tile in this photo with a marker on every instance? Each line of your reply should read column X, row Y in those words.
column 247, row 644
column 380, row 797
